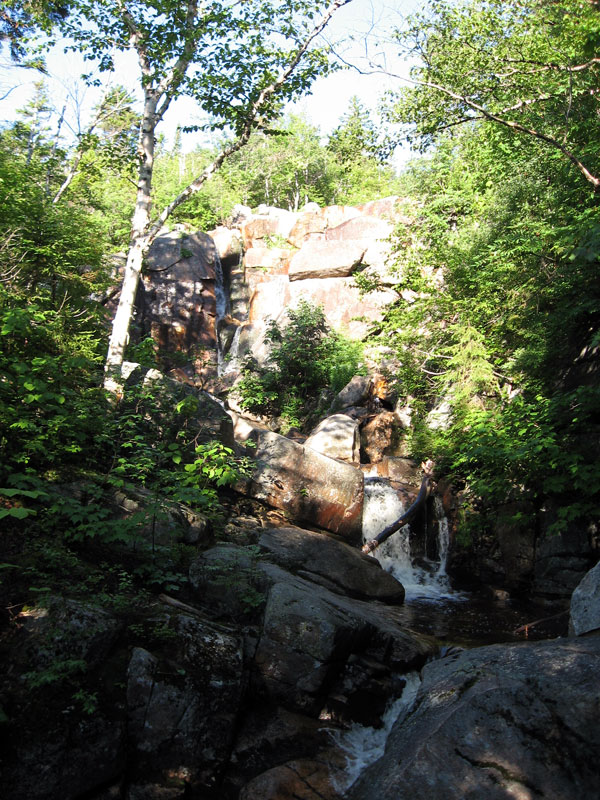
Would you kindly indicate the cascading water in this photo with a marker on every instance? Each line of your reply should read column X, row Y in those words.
column 362, row 746
column 382, row 507
column 222, row 308
column 231, row 362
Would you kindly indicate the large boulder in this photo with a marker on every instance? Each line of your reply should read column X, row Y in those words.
column 272, row 735
column 499, row 722
column 326, row 260
column 228, row 242
column 308, row 224
column 309, row 633
column 336, row 436
column 274, row 223
column 262, row 262
column 379, row 436
column 307, row 485
column 325, row 560
column 182, row 710
column 585, row 604
column 300, row 779
column 361, row 228
column 354, row 393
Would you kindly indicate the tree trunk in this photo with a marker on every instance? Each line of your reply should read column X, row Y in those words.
column 139, row 243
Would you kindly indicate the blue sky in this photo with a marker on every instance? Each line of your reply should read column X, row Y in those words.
column 361, row 29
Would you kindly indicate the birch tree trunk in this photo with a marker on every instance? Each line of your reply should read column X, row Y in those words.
column 160, row 88
column 138, row 244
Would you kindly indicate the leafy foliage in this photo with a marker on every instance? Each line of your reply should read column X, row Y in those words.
column 305, row 356
column 528, row 67
column 504, row 315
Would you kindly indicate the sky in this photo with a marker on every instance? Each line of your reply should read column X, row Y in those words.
column 360, row 31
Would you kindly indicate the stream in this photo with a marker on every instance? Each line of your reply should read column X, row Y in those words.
column 432, row 605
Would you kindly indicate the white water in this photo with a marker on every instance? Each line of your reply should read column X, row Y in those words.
column 231, row 362
column 222, row 303
column 383, row 507
column 362, row 746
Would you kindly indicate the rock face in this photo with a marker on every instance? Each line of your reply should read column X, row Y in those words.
column 181, row 713
column 306, row 484
column 324, row 246
column 525, row 556
column 498, row 722
column 176, row 303
column 59, row 753
column 585, row 604
column 326, row 260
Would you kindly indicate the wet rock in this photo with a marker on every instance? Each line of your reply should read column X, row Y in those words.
column 336, row 436
column 321, row 558
column 398, row 470
column 585, row 604
column 272, row 735
column 176, row 303
column 306, row 484
column 498, row 722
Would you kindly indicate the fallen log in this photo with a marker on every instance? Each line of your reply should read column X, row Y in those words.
column 424, row 491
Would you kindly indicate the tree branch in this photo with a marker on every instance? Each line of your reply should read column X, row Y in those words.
column 250, row 123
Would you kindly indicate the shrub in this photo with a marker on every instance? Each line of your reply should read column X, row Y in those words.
column 305, row 356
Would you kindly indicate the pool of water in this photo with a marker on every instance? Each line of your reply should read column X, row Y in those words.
column 474, row 619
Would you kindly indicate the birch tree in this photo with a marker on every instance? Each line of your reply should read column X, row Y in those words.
column 240, row 60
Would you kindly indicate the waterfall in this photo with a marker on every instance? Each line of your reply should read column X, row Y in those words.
column 222, row 304
column 362, row 746
column 231, row 363
column 424, row 580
